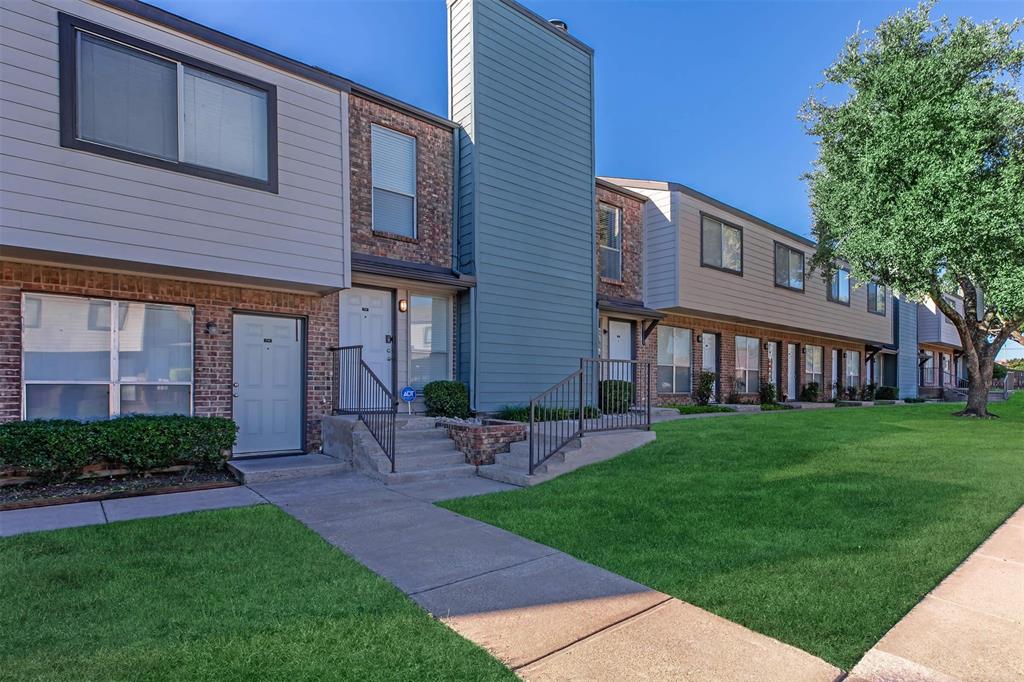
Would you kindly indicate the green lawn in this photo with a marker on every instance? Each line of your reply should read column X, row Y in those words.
column 818, row 528
column 227, row 595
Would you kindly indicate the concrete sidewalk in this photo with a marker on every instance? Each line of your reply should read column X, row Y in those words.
column 970, row 627
column 58, row 516
column 543, row 613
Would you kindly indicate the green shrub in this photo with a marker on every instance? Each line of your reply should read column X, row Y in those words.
column 768, row 394
column 886, row 393
column 615, row 396
column 999, row 371
column 446, row 399
column 521, row 413
column 771, row 407
column 914, row 400
column 867, row 391
column 705, row 388
column 810, row 392
column 851, row 393
column 56, row 449
column 702, row 409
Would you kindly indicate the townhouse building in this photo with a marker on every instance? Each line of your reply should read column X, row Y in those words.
column 192, row 224
column 180, row 210
column 740, row 302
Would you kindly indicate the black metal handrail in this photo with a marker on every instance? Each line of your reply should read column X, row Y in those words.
column 556, row 418
column 356, row 389
column 602, row 395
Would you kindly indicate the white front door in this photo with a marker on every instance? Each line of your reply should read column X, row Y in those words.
column 709, row 358
column 366, row 320
column 268, row 388
column 835, row 370
column 793, row 367
column 620, row 347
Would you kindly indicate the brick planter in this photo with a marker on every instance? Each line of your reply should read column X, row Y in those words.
column 480, row 442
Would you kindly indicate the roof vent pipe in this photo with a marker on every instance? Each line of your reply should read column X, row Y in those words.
column 559, row 24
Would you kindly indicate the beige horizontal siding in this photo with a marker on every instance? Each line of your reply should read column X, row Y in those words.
column 61, row 200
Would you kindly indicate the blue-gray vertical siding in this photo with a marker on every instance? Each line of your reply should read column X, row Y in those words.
column 524, row 96
column 907, row 356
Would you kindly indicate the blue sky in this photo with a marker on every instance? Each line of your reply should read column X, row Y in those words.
column 703, row 93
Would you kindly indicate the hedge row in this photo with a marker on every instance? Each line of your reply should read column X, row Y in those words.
column 53, row 449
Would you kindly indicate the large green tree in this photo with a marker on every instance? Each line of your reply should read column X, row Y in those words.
column 919, row 180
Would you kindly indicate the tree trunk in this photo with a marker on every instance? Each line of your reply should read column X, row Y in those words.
column 979, row 378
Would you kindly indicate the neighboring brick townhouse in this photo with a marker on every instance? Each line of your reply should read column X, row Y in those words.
column 740, row 301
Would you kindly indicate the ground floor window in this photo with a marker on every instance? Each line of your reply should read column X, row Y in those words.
column 89, row 358
column 814, row 363
column 747, row 365
column 928, row 369
column 674, row 353
column 853, row 368
column 429, row 339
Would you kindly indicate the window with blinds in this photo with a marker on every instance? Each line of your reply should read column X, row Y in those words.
column 394, row 181
column 142, row 103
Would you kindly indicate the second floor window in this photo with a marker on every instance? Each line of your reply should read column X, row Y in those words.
column 394, row 181
column 721, row 245
column 839, row 290
column 877, row 295
column 789, row 267
column 609, row 238
column 143, row 103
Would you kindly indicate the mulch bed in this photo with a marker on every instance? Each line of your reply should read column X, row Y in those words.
column 35, row 495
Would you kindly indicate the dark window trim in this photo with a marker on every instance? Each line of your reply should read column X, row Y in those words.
column 828, row 289
column 775, row 266
column 873, row 300
column 703, row 215
column 69, row 25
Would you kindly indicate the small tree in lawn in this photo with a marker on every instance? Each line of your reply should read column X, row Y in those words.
column 919, row 181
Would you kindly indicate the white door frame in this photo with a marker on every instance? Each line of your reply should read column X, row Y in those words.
column 392, row 379
column 302, row 322
column 715, row 365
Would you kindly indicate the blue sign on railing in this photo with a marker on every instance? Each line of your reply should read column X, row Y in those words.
column 408, row 394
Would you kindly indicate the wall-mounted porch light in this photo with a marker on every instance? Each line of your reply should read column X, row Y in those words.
column 403, row 305
column 211, row 328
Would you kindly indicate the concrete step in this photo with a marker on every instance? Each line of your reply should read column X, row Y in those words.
column 262, row 469
column 428, row 461
column 426, row 447
column 505, row 474
column 593, row 448
column 435, row 474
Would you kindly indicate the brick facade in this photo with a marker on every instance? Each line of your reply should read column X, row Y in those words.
column 631, row 286
column 481, row 442
column 213, row 353
column 433, row 241
column 727, row 333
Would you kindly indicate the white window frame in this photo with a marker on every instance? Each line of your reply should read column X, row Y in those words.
column 815, row 371
column 115, row 382
column 616, row 213
column 415, row 184
column 754, row 371
column 451, row 333
column 850, row 376
column 675, row 359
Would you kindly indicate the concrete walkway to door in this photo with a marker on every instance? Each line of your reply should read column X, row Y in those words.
column 543, row 613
